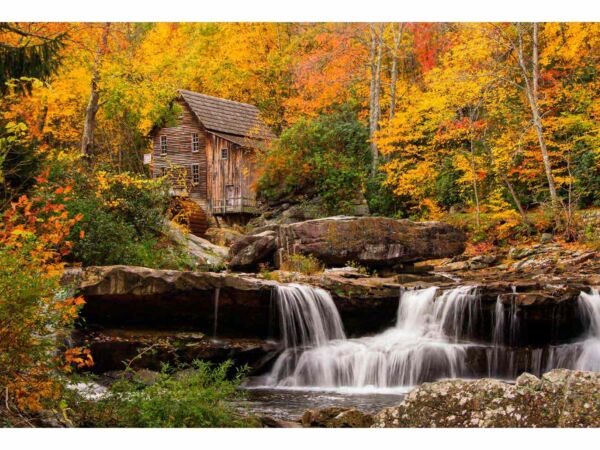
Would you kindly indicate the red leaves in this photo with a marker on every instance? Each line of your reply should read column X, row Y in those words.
column 78, row 357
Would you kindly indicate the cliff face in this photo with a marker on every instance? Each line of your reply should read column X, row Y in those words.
column 539, row 316
column 136, row 296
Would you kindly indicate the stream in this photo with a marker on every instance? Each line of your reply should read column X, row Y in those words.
column 306, row 352
column 290, row 404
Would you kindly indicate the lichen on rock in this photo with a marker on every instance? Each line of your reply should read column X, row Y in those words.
column 561, row 398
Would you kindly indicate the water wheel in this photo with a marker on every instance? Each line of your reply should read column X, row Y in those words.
column 191, row 214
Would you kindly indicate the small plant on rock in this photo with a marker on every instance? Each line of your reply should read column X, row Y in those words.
column 305, row 264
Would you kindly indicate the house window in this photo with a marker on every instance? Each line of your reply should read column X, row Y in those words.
column 195, row 143
column 163, row 145
column 224, row 153
column 195, row 173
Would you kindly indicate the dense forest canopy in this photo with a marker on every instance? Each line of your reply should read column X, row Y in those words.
column 492, row 127
column 479, row 117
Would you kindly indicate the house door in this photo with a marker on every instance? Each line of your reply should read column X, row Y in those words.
column 230, row 194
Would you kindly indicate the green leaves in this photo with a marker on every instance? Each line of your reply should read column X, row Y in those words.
column 199, row 396
column 327, row 156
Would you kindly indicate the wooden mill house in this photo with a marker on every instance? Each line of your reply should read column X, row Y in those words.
column 210, row 154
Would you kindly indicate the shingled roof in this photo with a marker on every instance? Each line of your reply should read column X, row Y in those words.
column 227, row 117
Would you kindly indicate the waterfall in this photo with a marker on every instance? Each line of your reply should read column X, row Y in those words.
column 511, row 360
column 308, row 316
column 426, row 343
column 589, row 305
column 413, row 351
column 455, row 308
column 493, row 356
column 498, row 336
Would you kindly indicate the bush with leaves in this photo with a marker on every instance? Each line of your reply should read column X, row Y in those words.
column 35, row 312
column 19, row 162
column 122, row 216
column 305, row 264
column 200, row 396
column 327, row 156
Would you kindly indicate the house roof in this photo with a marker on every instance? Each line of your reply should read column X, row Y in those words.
column 221, row 116
column 242, row 141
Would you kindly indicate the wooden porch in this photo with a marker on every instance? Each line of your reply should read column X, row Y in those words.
column 235, row 205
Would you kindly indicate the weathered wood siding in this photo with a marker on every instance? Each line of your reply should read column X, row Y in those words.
column 235, row 176
column 220, row 179
column 179, row 155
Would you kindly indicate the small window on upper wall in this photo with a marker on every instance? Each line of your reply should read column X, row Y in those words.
column 163, row 145
column 195, row 143
column 224, row 153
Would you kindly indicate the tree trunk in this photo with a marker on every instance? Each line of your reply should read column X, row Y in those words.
column 531, row 91
column 374, row 88
column 394, row 70
column 535, row 70
column 474, row 174
column 513, row 194
column 89, row 122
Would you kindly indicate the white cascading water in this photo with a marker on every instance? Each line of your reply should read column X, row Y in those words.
column 457, row 307
column 423, row 346
column 589, row 305
column 308, row 317
column 581, row 355
column 415, row 350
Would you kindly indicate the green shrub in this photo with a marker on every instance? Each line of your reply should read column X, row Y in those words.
column 327, row 156
column 123, row 217
column 381, row 198
column 192, row 398
column 359, row 268
column 27, row 342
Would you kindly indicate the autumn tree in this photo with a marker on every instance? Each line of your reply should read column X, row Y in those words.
column 89, row 123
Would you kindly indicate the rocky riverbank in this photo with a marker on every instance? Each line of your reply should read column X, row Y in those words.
column 560, row 398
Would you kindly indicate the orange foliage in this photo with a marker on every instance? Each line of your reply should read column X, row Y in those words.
column 33, row 239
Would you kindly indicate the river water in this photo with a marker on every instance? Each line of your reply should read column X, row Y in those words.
column 290, row 404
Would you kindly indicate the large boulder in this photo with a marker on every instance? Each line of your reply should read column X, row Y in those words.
column 371, row 241
column 561, row 398
column 205, row 254
column 251, row 250
column 223, row 236
column 375, row 242
column 208, row 255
